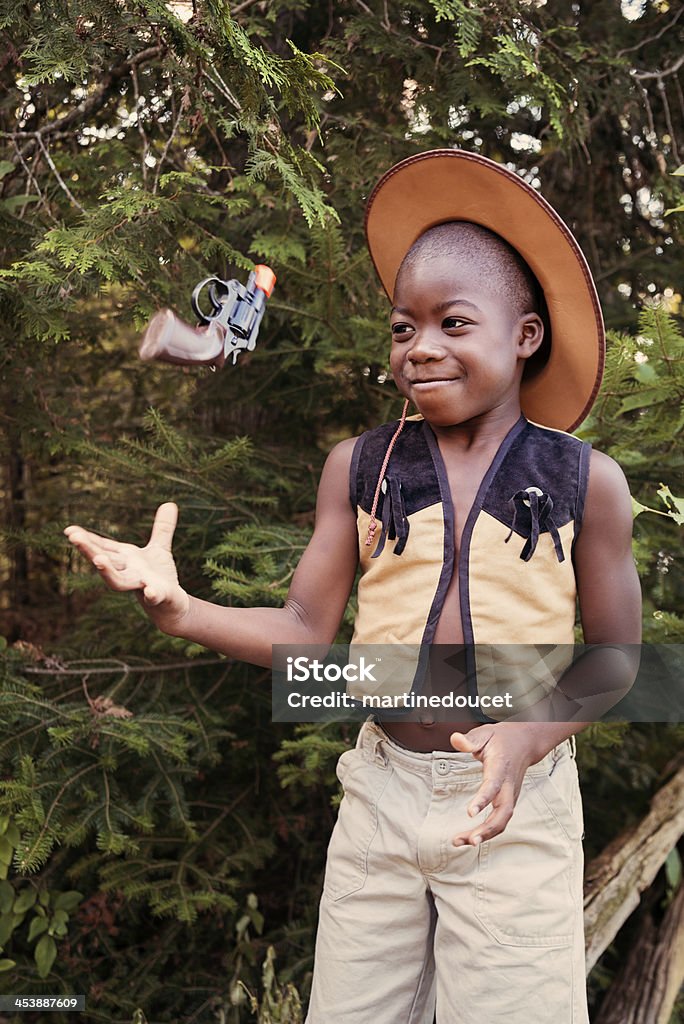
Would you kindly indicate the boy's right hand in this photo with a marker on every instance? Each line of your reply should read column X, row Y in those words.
column 149, row 571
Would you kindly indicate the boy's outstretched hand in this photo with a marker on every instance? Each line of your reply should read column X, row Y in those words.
column 149, row 571
column 506, row 751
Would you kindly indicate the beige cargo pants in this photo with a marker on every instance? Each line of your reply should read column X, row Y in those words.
column 490, row 934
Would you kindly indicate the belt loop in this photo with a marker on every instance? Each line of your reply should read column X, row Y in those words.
column 376, row 738
column 378, row 753
column 573, row 747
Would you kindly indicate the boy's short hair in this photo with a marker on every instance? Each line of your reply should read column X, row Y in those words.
column 512, row 274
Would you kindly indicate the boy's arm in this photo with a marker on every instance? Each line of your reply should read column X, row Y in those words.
column 315, row 603
column 609, row 598
column 610, row 610
column 319, row 591
column 607, row 581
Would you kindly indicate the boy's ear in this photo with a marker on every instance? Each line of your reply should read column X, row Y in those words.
column 530, row 335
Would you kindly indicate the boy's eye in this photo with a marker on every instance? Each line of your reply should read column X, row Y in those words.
column 399, row 329
column 451, row 322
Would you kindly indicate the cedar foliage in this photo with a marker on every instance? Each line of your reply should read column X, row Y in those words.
column 159, row 837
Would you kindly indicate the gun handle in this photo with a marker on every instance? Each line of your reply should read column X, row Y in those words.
column 170, row 340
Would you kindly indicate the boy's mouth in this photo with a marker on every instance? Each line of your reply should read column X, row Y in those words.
column 433, row 382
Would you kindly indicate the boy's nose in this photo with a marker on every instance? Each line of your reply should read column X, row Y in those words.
column 426, row 347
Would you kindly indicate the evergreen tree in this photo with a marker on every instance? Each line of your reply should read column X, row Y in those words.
column 154, row 824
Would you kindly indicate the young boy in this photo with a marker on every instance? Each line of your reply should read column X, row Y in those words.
column 454, row 873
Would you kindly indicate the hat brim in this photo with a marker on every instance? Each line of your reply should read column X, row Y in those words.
column 447, row 184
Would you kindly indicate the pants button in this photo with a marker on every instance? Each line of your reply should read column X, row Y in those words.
column 442, row 768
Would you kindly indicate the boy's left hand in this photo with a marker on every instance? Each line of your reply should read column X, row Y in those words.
column 506, row 751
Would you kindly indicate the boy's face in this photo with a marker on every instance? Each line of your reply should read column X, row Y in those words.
column 458, row 346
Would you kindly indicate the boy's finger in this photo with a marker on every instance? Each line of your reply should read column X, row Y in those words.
column 487, row 793
column 164, row 525
column 105, row 568
column 89, row 542
column 493, row 826
column 153, row 595
column 89, row 548
column 112, row 575
column 472, row 742
column 459, row 741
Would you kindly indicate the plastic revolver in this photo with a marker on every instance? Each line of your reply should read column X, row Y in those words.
column 230, row 327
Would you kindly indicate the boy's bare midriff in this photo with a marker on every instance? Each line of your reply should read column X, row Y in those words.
column 465, row 475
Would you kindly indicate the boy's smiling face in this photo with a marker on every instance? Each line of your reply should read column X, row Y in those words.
column 459, row 341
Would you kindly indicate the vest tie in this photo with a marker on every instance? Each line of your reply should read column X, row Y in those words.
column 395, row 522
column 541, row 506
column 372, row 524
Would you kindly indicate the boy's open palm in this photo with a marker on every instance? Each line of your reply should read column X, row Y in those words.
column 150, row 571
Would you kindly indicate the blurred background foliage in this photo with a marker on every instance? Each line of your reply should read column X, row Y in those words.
column 161, row 841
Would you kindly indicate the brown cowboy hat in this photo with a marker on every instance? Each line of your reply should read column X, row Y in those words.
column 450, row 184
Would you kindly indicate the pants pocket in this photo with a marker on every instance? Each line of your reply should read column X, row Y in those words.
column 559, row 792
column 526, row 893
column 346, row 866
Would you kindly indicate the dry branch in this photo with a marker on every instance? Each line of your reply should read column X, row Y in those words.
column 616, row 878
column 98, row 98
column 646, row 987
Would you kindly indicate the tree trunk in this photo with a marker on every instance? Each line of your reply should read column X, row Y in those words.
column 627, row 867
column 645, row 989
column 18, row 588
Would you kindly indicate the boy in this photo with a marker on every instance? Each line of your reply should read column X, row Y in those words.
column 458, row 846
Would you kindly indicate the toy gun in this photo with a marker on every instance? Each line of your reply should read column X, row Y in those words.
column 230, row 327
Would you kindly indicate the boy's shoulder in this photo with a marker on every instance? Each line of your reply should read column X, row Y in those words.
column 608, row 489
column 549, row 454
